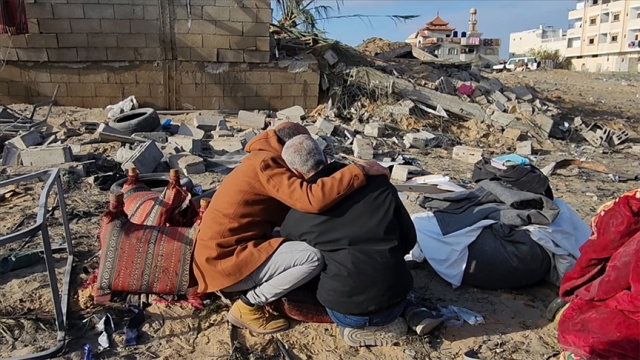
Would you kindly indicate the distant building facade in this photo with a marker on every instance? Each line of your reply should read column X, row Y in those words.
column 604, row 35
column 546, row 37
column 445, row 42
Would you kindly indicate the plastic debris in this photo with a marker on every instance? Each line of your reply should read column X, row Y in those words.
column 123, row 106
column 131, row 331
column 87, row 352
column 456, row 316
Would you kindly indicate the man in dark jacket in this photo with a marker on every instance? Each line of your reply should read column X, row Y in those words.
column 363, row 239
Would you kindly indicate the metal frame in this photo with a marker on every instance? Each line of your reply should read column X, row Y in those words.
column 51, row 177
column 23, row 122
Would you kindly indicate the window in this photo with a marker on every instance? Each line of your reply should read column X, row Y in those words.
column 614, row 38
column 511, row 62
column 592, row 40
column 593, row 21
column 594, row 2
column 616, row 17
column 490, row 51
column 452, row 51
column 636, row 37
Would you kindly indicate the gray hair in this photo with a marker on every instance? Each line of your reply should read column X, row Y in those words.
column 302, row 153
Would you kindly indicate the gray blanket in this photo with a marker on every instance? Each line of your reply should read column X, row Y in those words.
column 501, row 257
column 490, row 200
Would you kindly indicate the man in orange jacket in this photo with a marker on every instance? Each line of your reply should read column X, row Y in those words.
column 235, row 249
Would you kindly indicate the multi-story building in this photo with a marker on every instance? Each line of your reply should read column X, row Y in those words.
column 604, row 35
column 546, row 37
column 445, row 42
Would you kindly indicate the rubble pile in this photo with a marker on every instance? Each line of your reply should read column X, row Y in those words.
column 374, row 46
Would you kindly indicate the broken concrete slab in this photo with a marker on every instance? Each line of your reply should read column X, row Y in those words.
column 188, row 130
column 374, row 130
column 187, row 143
column 511, row 96
column 123, row 154
column 10, row 155
column 362, row 149
column 497, row 96
column 227, row 144
column 325, row 125
column 467, row 154
column 46, row 156
column 402, row 172
column 512, row 134
column 498, row 106
column 522, row 93
column 221, row 124
column 445, row 85
column 222, row 133
column 313, row 130
column 246, row 136
column 322, row 143
column 502, row 119
column 543, row 123
column 419, row 140
column 145, row 158
column 252, row 119
column 189, row 164
column 524, row 148
column 206, row 123
column 496, row 84
column 294, row 114
column 159, row 137
column 26, row 139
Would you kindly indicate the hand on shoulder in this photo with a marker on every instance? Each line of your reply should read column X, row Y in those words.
column 373, row 168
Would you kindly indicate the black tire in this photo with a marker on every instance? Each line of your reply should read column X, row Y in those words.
column 140, row 120
column 553, row 308
column 156, row 182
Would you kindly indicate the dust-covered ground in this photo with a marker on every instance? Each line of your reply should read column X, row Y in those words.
column 515, row 326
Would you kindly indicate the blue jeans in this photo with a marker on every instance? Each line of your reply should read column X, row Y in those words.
column 377, row 319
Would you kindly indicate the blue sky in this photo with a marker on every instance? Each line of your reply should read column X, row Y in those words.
column 496, row 19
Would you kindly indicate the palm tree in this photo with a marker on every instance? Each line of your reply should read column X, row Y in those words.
column 305, row 15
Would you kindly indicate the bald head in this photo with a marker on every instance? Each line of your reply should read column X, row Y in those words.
column 288, row 130
column 303, row 154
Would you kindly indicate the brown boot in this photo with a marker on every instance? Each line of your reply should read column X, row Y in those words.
column 256, row 318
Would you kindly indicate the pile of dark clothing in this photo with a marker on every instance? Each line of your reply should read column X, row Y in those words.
column 500, row 234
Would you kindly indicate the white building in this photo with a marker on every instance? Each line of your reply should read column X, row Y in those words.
column 546, row 37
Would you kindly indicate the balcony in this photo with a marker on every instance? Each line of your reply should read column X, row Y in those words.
column 574, row 51
column 574, row 32
column 575, row 14
column 633, row 24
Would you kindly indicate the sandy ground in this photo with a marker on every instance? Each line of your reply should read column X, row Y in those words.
column 515, row 327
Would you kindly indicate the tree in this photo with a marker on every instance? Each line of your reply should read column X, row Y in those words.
column 544, row 53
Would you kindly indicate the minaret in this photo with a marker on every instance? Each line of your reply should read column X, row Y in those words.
column 472, row 21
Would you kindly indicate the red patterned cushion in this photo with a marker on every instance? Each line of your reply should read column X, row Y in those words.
column 143, row 259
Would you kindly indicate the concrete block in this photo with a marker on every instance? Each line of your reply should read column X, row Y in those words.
column 402, row 172
column 525, row 109
column 188, row 130
column 313, row 130
column 145, row 158
column 321, row 142
column 543, row 122
column 170, row 149
column 10, row 156
column 189, row 164
column 187, row 143
column 221, row 125
column 418, row 140
column 497, row 96
column 522, row 93
column 467, row 154
column 502, row 119
column 252, row 119
column 362, row 149
column 524, row 148
column 46, row 156
column 159, row 137
column 325, row 125
column 498, row 106
column 226, row 144
column 293, row 114
column 511, row 96
column 512, row 134
column 374, row 129
column 246, row 136
column 222, row 134
column 206, row 123
column 26, row 140
column 512, row 107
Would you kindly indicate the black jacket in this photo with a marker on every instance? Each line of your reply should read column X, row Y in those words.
column 363, row 239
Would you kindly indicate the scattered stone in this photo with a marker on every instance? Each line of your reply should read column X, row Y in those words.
column 512, row 134
column 222, row 133
column 252, row 119
column 158, row 137
column 187, row 143
column 226, row 144
column 374, row 130
column 511, row 96
column 445, row 85
column 170, row 149
column 221, row 125
column 502, row 119
column 362, row 149
column 206, row 123
column 495, row 84
column 543, row 123
column 512, row 107
column 188, row 130
column 26, row 140
column 124, row 153
column 10, row 155
column 145, row 158
column 522, row 93
column 294, row 114
column 498, row 106
column 325, row 125
column 525, row 109
column 402, row 172
column 524, row 148
column 497, row 96
column 313, row 130
column 467, row 154
column 189, row 164
column 246, row 136
column 46, row 156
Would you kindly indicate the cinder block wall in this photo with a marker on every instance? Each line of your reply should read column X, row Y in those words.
column 100, row 51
